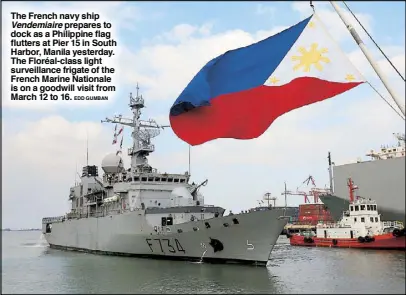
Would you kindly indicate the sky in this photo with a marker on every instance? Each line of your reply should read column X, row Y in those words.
column 162, row 46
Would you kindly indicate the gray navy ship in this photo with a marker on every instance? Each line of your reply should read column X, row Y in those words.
column 382, row 179
column 144, row 213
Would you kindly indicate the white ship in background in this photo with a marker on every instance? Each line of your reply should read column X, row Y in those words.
column 381, row 178
column 142, row 212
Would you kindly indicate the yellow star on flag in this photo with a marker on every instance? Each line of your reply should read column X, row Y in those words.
column 273, row 80
column 349, row 77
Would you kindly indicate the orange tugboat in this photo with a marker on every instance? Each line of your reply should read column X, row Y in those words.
column 359, row 227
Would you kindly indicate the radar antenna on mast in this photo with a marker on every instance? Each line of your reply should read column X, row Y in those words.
column 142, row 133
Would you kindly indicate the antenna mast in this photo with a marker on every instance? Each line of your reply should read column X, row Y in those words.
column 364, row 50
column 87, row 149
column 330, row 172
column 142, row 133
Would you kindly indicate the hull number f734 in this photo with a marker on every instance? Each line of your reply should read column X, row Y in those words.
column 164, row 246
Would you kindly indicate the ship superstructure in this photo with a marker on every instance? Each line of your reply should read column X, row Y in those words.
column 140, row 211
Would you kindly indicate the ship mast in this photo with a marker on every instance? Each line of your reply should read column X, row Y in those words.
column 142, row 132
column 364, row 50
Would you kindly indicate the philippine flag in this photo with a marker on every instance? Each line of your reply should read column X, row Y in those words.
column 241, row 92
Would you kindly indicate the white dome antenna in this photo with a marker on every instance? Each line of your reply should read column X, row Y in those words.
column 112, row 163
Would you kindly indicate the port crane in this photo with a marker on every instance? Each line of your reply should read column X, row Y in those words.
column 314, row 191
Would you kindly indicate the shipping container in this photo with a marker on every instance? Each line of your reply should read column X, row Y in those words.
column 311, row 206
column 308, row 218
column 304, row 213
column 311, row 210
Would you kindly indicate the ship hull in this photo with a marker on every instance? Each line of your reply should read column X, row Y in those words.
column 337, row 205
column 250, row 241
column 381, row 242
column 380, row 180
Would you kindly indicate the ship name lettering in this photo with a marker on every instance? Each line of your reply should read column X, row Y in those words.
column 165, row 244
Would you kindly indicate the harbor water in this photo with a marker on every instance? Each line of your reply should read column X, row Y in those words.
column 29, row 266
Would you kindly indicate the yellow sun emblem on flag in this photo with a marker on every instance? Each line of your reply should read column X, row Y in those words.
column 312, row 57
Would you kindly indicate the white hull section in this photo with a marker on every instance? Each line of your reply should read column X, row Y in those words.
column 249, row 241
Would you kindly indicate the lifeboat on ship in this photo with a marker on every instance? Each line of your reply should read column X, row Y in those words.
column 359, row 227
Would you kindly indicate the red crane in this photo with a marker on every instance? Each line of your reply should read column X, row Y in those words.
column 314, row 191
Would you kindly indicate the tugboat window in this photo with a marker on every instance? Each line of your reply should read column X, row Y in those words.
column 362, row 207
column 362, row 219
column 356, row 208
column 368, row 207
column 376, row 219
column 355, row 219
column 352, row 208
column 372, row 219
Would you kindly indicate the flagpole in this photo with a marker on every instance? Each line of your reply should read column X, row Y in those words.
column 364, row 50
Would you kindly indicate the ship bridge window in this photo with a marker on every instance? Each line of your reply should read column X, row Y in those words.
column 376, row 219
column 352, row 208
column 362, row 219
column 170, row 179
column 368, row 207
column 356, row 208
column 362, row 207
column 182, row 180
column 143, row 179
column 355, row 219
column 169, row 221
column 164, row 179
column 371, row 219
column 150, row 179
column 176, row 180
column 157, row 179
column 374, row 207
